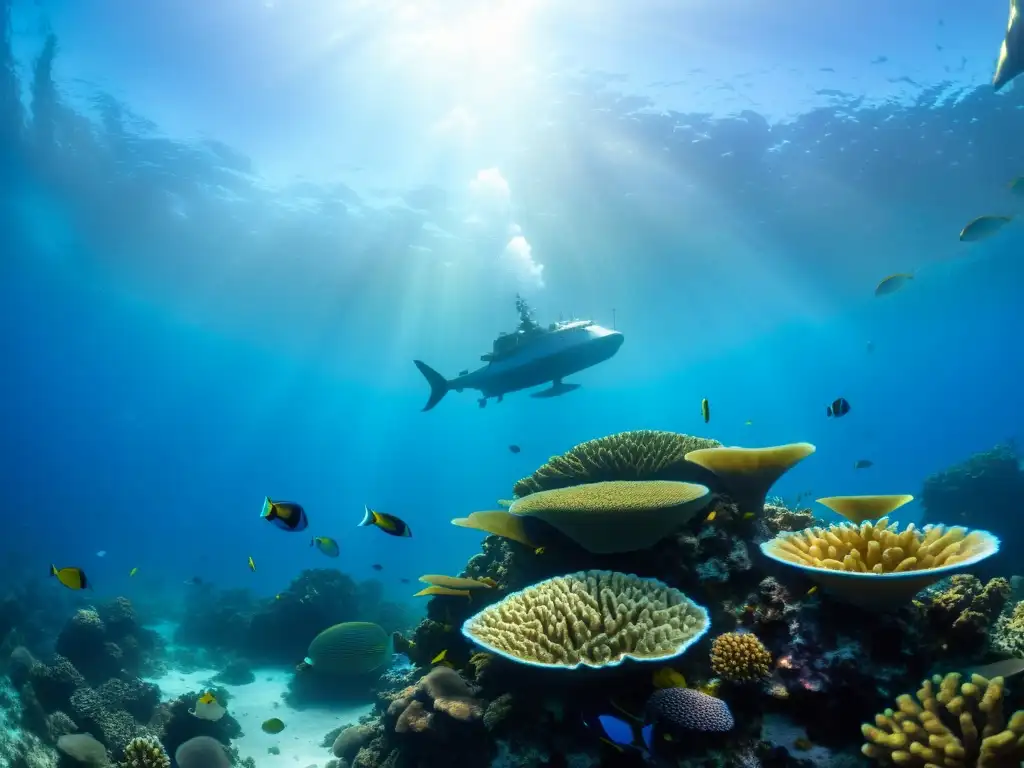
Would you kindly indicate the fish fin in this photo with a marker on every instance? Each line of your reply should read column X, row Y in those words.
column 439, row 385
column 557, row 388
column 628, row 714
column 268, row 509
column 312, row 541
column 647, row 734
column 616, row 729
column 828, row 411
column 307, row 661
column 53, row 570
column 367, row 516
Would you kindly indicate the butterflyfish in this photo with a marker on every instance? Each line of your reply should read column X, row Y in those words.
column 387, row 523
column 286, row 515
column 207, row 708
column 72, row 578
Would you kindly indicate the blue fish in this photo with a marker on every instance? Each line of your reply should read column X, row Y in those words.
column 286, row 515
column 623, row 735
column 839, row 407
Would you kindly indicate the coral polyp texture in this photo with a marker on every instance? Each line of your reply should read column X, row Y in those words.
column 857, row 509
column 740, row 657
column 616, row 516
column 644, row 454
column 747, row 474
column 951, row 724
column 877, row 564
column 683, row 710
column 589, row 619
column 145, row 752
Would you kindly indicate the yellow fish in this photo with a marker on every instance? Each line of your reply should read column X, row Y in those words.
column 435, row 590
column 72, row 578
column 207, row 698
column 133, row 571
column 705, row 410
column 273, row 725
column 712, row 515
column 252, row 564
column 440, row 657
column 749, row 515
column 812, row 590
column 388, row 523
column 539, row 551
column 666, row 677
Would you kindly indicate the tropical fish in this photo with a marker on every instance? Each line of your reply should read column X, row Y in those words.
column 488, row 581
column 195, row 581
column 101, row 553
column 705, row 410
column 749, row 515
column 273, row 725
column 863, row 463
column 377, row 567
column 666, row 677
column 405, row 581
column 434, row 590
column 892, row 283
column 539, row 551
column 441, row 657
column 286, row 515
column 711, row 516
column 839, row 407
column 207, row 708
column 812, row 590
column 1011, row 52
column 387, row 523
column 514, row 448
column 350, row 648
column 325, row 544
column 983, row 227
column 457, row 582
column 72, row 578
column 252, row 564
column 803, row 744
column 622, row 735
column 133, row 571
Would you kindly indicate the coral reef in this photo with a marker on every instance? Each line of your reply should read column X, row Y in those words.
column 145, row 752
column 960, row 724
column 590, row 618
column 876, row 564
column 1008, row 632
column 962, row 610
column 740, row 657
column 177, row 725
column 108, row 642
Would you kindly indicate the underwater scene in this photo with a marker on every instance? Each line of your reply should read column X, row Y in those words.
column 511, row 384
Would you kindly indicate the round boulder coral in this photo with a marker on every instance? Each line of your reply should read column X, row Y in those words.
column 684, row 709
column 740, row 657
column 202, row 752
column 591, row 619
column 616, row 516
column 639, row 455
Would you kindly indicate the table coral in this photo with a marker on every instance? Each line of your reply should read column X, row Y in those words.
column 616, row 516
column 876, row 564
column 740, row 657
column 747, row 474
column 638, row 455
column 590, row 618
column 959, row 724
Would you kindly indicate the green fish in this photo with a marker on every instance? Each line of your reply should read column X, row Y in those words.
column 325, row 544
column 273, row 725
column 983, row 227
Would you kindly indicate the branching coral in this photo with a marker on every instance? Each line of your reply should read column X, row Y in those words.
column 616, row 516
column 958, row 725
column 591, row 618
column 876, row 564
column 740, row 657
column 145, row 752
column 639, row 455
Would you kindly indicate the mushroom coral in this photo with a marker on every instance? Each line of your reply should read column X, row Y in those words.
column 594, row 619
column 644, row 454
column 877, row 564
column 857, row 509
column 957, row 726
column 747, row 474
column 616, row 516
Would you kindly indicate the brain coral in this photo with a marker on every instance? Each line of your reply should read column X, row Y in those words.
column 202, row 752
column 592, row 619
column 960, row 725
column 640, row 455
column 684, row 709
column 876, row 564
column 616, row 516
column 740, row 657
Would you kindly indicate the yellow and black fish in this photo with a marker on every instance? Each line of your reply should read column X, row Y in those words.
column 252, row 564
column 72, row 578
column 387, row 523
column 286, row 515
column 705, row 410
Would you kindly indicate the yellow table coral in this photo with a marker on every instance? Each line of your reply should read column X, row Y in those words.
column 959, row 725
column 877, row 564
column 589, row 619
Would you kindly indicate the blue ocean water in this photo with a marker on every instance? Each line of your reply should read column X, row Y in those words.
column 228, row 229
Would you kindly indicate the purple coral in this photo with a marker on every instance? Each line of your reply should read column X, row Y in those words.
column 689, row 710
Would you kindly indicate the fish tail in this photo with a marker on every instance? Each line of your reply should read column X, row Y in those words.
column 268, row 509
column 312, row 541
column 828, row 411
column 439, row 385
column 367, row 516
column 53, row 570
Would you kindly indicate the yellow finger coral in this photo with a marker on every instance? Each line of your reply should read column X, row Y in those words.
column 639, row 455
column 877, row 564
column 592, row 619
column 145, row 752
column 960, row 725
column 617, row 516
column 740, row 657
column 857, row 509
column 747, row 474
